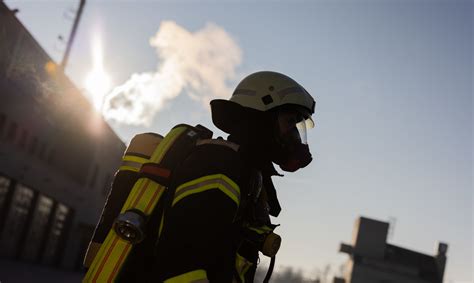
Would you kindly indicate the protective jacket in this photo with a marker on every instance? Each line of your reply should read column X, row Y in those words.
column 223, row 196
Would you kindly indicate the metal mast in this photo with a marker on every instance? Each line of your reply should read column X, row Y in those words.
column 72, row 35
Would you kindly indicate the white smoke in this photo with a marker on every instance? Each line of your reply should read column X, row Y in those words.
column 199, row 63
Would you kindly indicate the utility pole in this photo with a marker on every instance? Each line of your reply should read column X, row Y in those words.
column 72, row 35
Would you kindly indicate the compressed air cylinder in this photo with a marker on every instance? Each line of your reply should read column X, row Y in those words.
column 137, row 153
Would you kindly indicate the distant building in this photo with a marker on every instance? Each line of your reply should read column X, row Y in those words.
column 373, row 260
column 57, row 155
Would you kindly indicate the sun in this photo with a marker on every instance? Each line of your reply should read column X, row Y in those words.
column 98, row 82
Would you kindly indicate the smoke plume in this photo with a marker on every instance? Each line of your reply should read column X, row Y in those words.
column 199, row 64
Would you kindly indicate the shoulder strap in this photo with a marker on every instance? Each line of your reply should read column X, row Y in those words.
column 174, row 148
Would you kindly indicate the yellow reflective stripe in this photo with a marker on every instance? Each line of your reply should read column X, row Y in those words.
column 144, row 196
column 133, row 193
column 242, row 265
column 163, row 147
column 196, row 276
column 110, row 259
column 132, row 163
column 98, row 259
column 261, row 229
column 217, row 181
column 134, row 158
column 112, row 254
column 129, row 168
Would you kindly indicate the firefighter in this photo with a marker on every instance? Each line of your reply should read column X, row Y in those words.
column 218, row 218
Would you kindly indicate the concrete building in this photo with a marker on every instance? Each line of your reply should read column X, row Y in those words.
column 373, row 260
column 57, row 155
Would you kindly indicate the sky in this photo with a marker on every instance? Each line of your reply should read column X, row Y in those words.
column 392, row 81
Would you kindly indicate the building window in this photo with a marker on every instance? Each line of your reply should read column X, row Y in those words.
column 37, row 230
column 12, row 131
column 58, row 229
column 16, row 220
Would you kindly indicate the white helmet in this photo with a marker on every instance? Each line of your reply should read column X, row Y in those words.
column 266, row 90
column 263, row 91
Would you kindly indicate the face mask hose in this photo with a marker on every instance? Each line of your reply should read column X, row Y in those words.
column 270, row 270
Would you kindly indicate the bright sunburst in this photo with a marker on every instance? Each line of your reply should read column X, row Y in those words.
column 98, row 82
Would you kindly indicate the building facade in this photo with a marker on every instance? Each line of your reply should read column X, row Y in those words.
column 373, row 260
column 57, row 155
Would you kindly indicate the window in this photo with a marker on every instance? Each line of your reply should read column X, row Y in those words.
column 37, row 229
column 58, row 227
column 16, row 220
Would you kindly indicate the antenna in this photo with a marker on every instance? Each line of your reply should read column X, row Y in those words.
column 73, row 34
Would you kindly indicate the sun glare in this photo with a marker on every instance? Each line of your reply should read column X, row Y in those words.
column 98, row 82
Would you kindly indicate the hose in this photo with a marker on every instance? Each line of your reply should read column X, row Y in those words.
column 270, row 270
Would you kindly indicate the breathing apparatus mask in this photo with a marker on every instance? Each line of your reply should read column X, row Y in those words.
column 291, row 151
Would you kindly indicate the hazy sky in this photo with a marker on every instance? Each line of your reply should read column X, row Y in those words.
column 392, row 80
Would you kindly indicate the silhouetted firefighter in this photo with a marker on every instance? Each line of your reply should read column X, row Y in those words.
column 189, row 208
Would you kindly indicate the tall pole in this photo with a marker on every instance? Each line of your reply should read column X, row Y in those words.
column 72, row 35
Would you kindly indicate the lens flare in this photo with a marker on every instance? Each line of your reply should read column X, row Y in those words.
column 98, row 82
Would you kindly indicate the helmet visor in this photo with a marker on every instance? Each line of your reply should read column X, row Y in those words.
column 293, row 126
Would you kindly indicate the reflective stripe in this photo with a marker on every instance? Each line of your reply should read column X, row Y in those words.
column 134, row 158
column 108, row 262
column 290, row 90
column 132, row 163
column 130, row 166
column 163, row 147
column 242, row 265
column 196, row 276
column 144, row 196
column 114, row 251
column 132, row 194
column 261, row 230
column 217, row 181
